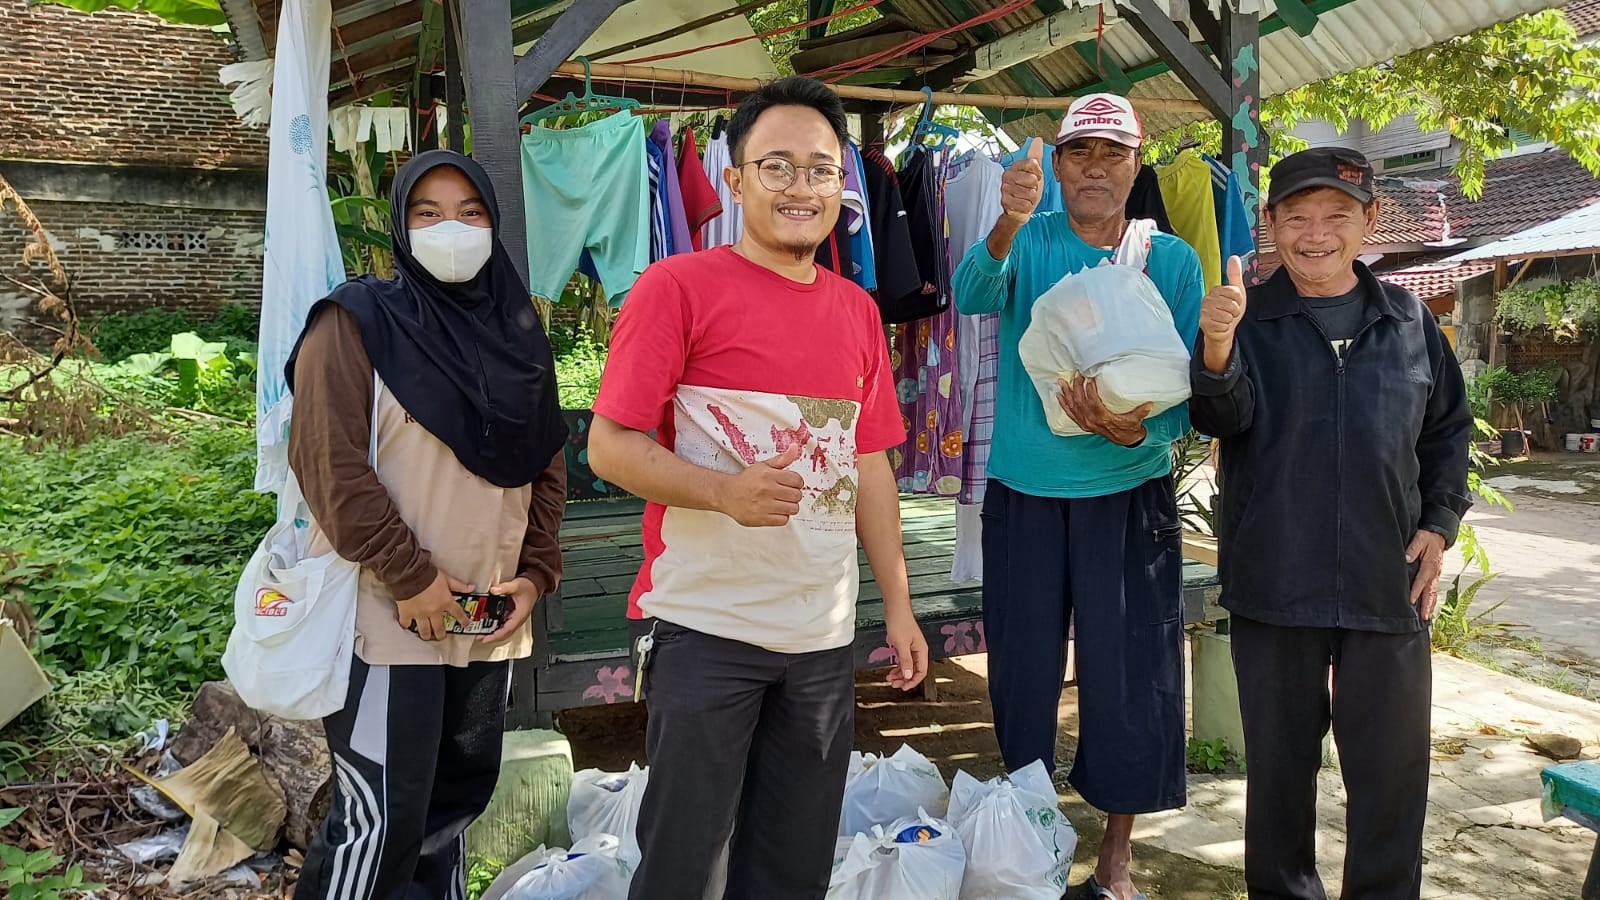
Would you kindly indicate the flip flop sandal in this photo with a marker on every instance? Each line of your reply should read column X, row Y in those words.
column 1101, row 892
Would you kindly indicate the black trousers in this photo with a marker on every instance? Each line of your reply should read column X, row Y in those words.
column 416, row 754
column 748, row 751
column 1379, row 708
column 1115, row 565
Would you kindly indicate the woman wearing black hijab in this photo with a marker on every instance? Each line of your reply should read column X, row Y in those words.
column 426, row 437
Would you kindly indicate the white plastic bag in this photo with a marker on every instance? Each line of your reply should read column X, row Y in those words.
column 1019, row 845
column 591, row 870
column 1108, row 322
column 294, row 617
column 294, row 622
column 880, row 790
column 608, row 803
column 916, row 858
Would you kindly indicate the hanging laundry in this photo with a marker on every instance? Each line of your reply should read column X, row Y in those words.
column 587, row 187
column 861, row 247
column 921, row 184
column 700, row 201
column 972, row 205
column 1144, row 201
column 661, row 136
column 927, row 373
column 1186, row 191
column 726, row 228
column 834, row 253
column 661, row 245
column 1233, row 225
column 899, row 280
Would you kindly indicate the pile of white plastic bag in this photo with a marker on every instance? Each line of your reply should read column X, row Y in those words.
column 603, row 817
column 903, row 835
column 1110, row 324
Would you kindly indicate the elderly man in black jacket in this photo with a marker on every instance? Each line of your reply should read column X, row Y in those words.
column 1344, row 426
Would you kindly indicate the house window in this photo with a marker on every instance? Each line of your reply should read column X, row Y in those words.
column 1407, row 160
column 178, row 241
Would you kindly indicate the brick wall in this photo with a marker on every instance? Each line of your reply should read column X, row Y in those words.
column 125, row 257
column 117, row 87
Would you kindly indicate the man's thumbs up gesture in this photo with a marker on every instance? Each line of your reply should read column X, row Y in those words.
column 766, row 494
column 1022, row 185
column 1220, row 313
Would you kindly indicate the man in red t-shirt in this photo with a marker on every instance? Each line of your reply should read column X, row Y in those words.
column 767, row 382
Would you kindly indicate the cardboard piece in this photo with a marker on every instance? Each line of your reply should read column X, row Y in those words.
column 22, row 682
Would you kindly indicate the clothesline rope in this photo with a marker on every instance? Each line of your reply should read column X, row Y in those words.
column 685, row 79
column 912, row 45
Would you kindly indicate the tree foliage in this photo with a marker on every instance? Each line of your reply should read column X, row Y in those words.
column 1530, row 74
column 179, row 12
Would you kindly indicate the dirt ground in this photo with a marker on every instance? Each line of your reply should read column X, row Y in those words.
column 956, row 732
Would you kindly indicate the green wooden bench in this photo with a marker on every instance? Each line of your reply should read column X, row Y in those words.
column 581, row 640
column 1572, row 790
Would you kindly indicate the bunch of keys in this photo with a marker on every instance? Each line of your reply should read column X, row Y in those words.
column 642, row 647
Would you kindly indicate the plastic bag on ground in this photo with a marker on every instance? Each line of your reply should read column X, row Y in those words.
column 1108, row 322
column 608, row 803
column 881, row 790
column 916, row 858
column 1019, row 845
column 591, row 870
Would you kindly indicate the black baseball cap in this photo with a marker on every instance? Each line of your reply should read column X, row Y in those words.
column 1336, row 167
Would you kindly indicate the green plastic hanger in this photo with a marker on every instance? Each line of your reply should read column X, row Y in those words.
column 572, row 105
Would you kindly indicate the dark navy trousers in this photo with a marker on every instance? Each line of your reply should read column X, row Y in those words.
column 1115, row 564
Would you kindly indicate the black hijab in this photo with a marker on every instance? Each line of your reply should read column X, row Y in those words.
column 471, row 361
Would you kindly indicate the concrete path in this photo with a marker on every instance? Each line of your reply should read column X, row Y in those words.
column 1547, row 551
column 1486, row 838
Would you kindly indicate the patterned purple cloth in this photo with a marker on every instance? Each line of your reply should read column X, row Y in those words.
column 980, row 431
column 927, row 381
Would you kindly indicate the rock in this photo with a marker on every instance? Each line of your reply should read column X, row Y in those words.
column 294, row 752
column 1488, row 753
column 1556, row 746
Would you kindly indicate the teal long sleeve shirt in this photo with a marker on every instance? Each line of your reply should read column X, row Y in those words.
column 1026, row 455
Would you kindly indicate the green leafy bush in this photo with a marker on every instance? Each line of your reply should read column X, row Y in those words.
column 1568, row 309
column 122, row 335
column 578, row 370
column 134, row 548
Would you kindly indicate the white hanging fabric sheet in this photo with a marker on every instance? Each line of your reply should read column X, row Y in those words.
column 302, row 262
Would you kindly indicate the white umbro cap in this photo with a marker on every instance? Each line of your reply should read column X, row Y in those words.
column 1107, row 116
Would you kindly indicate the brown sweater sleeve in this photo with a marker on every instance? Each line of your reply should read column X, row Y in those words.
column 541, row 546
column 330, row 434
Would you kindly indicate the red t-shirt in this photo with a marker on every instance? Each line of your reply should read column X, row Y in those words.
column 701, row 203
column 731, row 363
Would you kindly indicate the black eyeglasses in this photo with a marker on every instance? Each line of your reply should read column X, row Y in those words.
column 778, row 174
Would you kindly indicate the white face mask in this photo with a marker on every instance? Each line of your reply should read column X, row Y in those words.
column 452, row 251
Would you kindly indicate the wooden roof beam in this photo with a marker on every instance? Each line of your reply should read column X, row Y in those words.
column 576, row 24
column 1198, row 72
column 1051, row 33
column 370, row 83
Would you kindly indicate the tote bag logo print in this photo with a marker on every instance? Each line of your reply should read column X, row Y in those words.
column 272, row 603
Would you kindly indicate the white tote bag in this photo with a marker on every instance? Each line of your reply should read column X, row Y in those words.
column 294, row 616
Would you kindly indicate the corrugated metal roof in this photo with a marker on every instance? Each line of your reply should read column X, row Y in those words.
column 1575, row 232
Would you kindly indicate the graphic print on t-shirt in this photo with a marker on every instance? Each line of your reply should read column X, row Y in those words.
column 728, row 431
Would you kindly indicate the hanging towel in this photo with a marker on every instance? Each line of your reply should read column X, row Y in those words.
column 661, row 136
column 972, row 203
column 301, row 259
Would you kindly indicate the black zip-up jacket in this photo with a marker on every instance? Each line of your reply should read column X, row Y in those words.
column 1330, row 466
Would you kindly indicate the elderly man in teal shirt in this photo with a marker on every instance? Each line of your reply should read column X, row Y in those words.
column 1084, row 528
